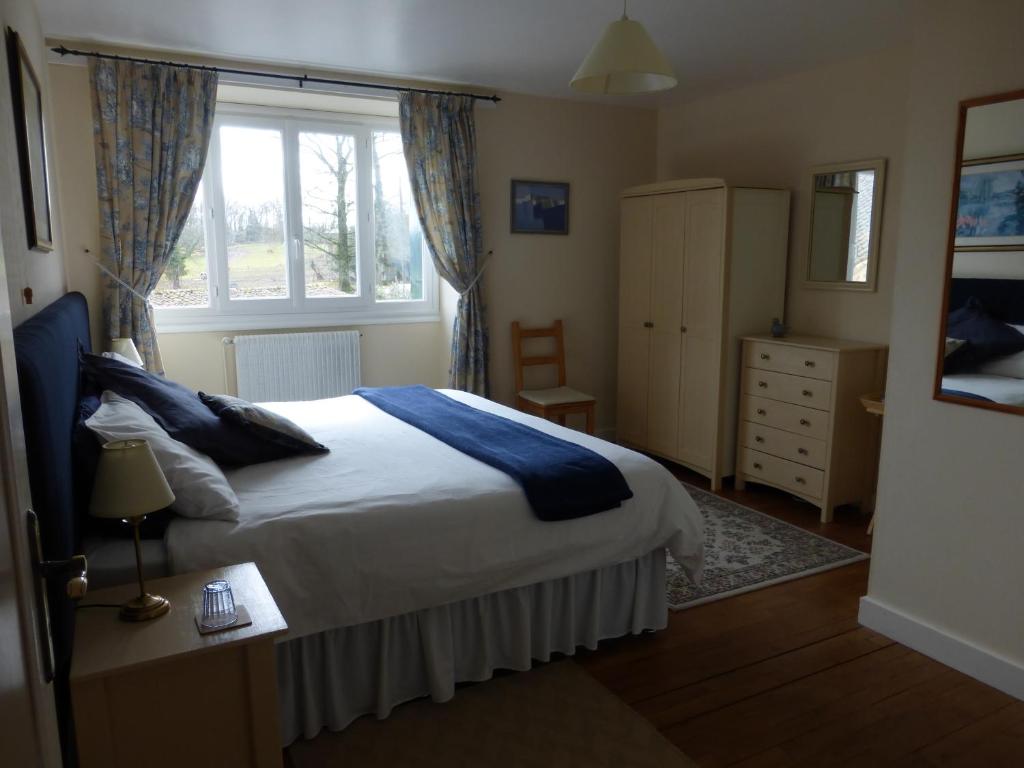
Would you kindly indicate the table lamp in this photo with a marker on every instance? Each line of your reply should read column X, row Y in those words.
column 129, row 485
column 125, row 347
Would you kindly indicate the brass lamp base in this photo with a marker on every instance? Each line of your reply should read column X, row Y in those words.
column 144, row 608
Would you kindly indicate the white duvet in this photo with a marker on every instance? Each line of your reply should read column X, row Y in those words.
column 393, row 520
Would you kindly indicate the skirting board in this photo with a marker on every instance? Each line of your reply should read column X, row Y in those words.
column 956, row 652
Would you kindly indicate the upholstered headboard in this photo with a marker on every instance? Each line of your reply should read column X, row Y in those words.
column 1003, row 298
column 46, row 349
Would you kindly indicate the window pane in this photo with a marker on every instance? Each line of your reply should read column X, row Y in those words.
column 252, row 173
column 185, row 281
column 398, row 241
column 327, row 173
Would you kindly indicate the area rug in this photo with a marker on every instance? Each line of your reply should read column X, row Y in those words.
column 553, row 715
column 747, row 550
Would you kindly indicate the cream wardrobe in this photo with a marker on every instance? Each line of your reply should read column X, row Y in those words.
column 701, row 264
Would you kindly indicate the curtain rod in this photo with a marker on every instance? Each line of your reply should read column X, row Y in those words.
column 300, row 79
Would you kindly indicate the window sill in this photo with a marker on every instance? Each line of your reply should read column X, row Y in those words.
column 283, row 321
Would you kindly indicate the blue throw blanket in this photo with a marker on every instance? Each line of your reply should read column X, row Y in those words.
column 561, row 480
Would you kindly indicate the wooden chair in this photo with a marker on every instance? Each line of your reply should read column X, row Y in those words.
column 557, row 402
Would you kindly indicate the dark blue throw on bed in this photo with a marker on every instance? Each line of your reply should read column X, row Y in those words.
column 561, row 480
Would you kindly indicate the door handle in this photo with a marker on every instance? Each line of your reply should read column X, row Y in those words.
column 75, row 569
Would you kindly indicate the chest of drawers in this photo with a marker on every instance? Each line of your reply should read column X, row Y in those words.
column 802, row 428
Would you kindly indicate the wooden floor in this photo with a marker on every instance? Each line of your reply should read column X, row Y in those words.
column 785, row 676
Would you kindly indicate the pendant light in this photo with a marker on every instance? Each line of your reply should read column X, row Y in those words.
column 624, row 60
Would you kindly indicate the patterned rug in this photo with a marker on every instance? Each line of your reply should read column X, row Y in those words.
column 747, row 550
column 554, row 715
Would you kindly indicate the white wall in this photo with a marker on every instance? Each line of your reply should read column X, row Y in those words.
column 772, row 133
column 42, row 272
column 950, row 532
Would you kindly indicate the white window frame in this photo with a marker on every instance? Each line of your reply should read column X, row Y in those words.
column 225, row 314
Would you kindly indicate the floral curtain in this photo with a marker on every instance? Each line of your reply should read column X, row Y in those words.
column 151, row 130
column 439, row 139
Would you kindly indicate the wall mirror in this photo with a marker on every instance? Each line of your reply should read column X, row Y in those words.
column 845, row 225
column 981, row 344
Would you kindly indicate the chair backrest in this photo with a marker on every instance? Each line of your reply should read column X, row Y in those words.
column 521, row 361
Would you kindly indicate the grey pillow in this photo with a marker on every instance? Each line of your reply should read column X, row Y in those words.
column 263, row 424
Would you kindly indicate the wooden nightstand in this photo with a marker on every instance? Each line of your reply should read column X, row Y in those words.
column 158, row 693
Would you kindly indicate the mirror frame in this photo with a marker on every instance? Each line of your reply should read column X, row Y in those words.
column 877, row 164
column 954, row 205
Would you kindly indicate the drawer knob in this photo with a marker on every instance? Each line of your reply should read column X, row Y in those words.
column 762, row 412
column 648, row 324
column 804, row 423
column 808, row 393
column 757, row 465
column 801, row 481
column 802, row 451
column 762, row 384
column 758, row 439
column 765, row 356
column 809, row 363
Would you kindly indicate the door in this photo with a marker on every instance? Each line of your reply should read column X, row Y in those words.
column 27, row 710
column 634, row 317
column 700, row 337
column 668, row 226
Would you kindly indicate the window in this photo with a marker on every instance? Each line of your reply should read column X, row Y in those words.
column 301, row 219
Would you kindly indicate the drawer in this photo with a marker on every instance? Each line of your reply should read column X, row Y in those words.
column 792, row 418
column 786, row 445
column 787, row 474
column 814, row 393
column 802, row 361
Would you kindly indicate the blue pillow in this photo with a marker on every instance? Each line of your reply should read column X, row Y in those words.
column 180, row 412
column 263, row 424
column 986, row 335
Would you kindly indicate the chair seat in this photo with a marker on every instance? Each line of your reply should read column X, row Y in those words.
column 556, row 396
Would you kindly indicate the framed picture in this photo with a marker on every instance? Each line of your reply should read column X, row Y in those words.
column 990, row 207
column 27, row 101
column 540, row 207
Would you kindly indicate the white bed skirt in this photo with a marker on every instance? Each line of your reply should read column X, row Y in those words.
column 327, row 680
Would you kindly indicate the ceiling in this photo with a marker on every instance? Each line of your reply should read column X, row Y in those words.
column 529, row 46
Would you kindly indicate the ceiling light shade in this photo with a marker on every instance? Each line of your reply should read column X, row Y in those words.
column 624, row 60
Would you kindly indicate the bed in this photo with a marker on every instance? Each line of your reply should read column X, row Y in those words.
column 996, row 380
column 402, row 566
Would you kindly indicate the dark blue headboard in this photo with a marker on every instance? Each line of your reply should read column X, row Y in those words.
column 1003, row 298
column 46, row 349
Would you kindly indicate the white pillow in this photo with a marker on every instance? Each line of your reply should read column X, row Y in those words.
column 1007, row 365
column 200, row 488
column 122, row 359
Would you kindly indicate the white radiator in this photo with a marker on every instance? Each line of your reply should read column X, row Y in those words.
column 296, row 366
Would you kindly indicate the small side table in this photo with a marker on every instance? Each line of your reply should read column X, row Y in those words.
column 158, row 693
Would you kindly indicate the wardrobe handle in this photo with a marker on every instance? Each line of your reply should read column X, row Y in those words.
column 808, row 393
column 802, row 451
column 765, row 356
column 809, row 363
column 801, row 481
column 757, row 465
column 682, row 329
column 762, row 412
column 762, row 384
column 804, row 423
column 758, row 439
column 648, row 324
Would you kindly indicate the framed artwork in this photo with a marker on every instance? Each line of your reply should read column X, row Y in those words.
column 27, row 101
column 990, row 206
column 539, row 207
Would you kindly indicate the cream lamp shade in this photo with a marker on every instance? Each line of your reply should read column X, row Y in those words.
column 624, row 60
column 126, row 348
column 129, row 482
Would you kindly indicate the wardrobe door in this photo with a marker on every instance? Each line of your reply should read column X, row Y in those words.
column 700, row 337
column 634, row 315
column 666, row 312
